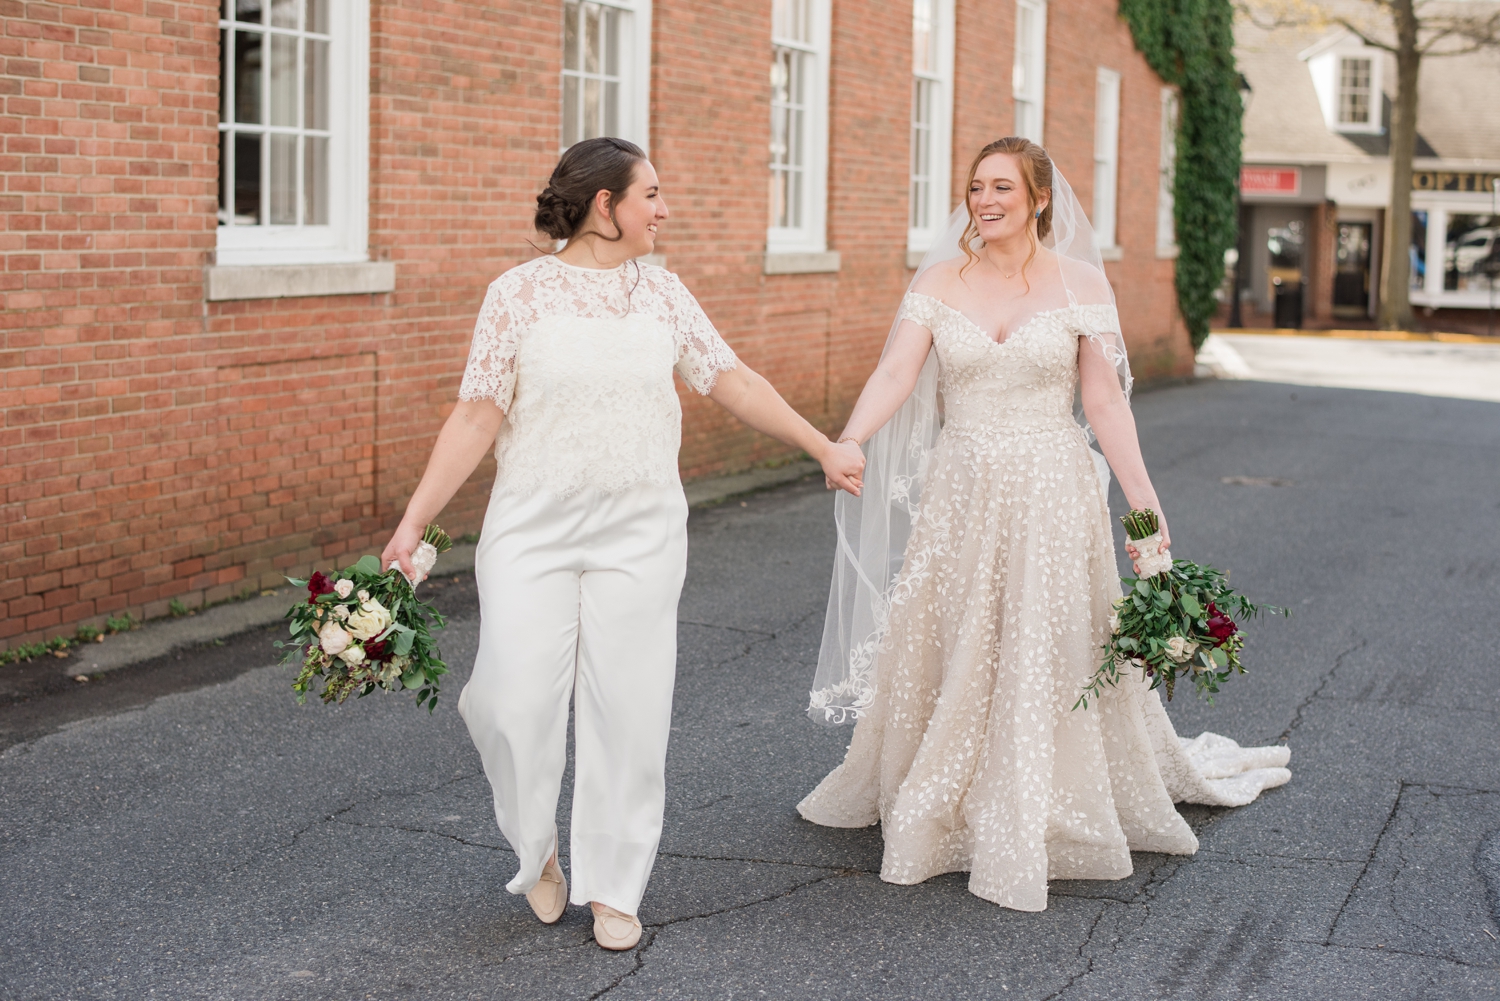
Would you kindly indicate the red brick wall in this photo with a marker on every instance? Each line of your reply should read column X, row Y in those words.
column 1081, row 38
column 158, row 446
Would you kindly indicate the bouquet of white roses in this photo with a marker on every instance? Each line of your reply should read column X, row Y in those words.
column 363, row 628
column 1177, row 619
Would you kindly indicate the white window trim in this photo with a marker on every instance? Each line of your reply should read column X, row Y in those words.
column 1325, row 66
column 635, row 55
column 346, row 239
column 940, row 192
column 812, row 236
column 1038, row 95
column 1431, row 292
column 1166, row 194
column 1106, row 159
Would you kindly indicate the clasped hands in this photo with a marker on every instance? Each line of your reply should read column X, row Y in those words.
column 843, row 466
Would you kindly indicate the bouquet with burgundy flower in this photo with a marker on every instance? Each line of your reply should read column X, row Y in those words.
column 1177, row 619
column 363, row 628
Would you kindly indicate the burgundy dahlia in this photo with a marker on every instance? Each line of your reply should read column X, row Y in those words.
column 1220, row 626
column 378, row 650
column 319, row 583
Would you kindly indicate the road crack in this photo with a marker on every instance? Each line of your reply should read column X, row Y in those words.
column 1338, row 662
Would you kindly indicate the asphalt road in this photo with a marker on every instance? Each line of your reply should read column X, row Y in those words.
column 222, row 842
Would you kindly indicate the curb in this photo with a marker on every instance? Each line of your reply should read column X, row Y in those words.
column 1363, row 335
column 161, row 636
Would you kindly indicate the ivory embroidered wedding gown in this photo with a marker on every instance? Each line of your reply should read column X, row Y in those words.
column 971, row 756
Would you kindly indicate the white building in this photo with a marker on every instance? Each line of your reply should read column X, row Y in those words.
column 1316, row 183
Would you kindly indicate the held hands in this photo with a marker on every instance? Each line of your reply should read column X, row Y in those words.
column 402, row 545
column 1166, row 539
column 843, row 465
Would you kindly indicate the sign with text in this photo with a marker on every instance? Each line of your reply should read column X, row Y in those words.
column 1271, row 180
column 1450, row 180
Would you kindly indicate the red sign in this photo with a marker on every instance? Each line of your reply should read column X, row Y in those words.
column 1270, row 180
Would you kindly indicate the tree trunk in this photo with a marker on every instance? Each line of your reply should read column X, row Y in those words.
column 1395, row 299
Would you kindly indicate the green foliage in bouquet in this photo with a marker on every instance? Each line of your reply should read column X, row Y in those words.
column 364, row 628
column 1181, row 622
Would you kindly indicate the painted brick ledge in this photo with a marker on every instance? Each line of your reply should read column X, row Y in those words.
column 161, row 636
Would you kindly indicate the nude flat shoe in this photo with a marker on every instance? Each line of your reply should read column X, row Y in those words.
column 549, row 897
column 615, row 930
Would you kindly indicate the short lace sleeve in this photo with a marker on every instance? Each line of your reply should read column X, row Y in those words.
column 491, row 371
column 701, row 352
column 1099, row 320
column 920, row 308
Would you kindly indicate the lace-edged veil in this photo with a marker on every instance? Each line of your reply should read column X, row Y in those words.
column 873, row 528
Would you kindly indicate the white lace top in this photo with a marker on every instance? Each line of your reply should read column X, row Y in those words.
column 581, row 361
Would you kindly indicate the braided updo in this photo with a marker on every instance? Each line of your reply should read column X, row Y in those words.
column 587, row 168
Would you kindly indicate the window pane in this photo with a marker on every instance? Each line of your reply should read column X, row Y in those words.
column 590, row 109
column 315, row 85
column 283, row 80
column 1471, row 254
column 247, row 10
column 284, row 13
column 611, row 109
column 923, row 38
column 571, row 13
column 226, row 60
column 1418, row 249
column 612, row 42
column 225, row 141
column 246, row 180
column 247, row 52
column 572, row 128
column 283, row 180
column 317, row 16
column 315, row 181
column 590, row 38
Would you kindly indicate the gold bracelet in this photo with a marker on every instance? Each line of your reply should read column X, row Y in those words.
column 847, row 437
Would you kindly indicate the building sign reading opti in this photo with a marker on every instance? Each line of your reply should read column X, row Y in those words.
column 1271, row 180
column 1446, row 180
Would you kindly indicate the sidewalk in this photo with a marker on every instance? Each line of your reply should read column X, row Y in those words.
column 1448, row 365
column 161, row 636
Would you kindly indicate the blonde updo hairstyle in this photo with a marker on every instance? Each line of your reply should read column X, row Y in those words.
column 1036, row 174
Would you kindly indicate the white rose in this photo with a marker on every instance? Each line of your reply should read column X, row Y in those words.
column 370, row 620
column 1114, row 622
column 344, row 588
column 353, row 656
column 333, row 639
column 340, row 612
column 364, row 596
column 1180, row 648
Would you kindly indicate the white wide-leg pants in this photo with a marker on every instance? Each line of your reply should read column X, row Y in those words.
column 578, row 597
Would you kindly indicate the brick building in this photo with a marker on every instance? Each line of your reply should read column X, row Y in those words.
column 244, row 246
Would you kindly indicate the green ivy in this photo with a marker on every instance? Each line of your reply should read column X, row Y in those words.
column 1190, row 45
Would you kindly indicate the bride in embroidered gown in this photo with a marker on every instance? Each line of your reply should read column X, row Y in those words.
column 973, row 588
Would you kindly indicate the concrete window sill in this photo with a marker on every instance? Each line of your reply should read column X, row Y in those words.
column 224, row 282
column 1112, row 253
column 802, row 264
column 1166, row 253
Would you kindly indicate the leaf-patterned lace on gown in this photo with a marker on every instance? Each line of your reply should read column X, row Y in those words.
column 970, row 755
column 581, row 361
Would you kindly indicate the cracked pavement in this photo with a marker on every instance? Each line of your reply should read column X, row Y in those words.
column 214, row 840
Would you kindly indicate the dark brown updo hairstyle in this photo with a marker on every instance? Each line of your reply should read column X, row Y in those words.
column 1036, row 172
column 587, row 168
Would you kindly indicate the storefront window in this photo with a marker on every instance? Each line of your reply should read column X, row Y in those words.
column 1471, row 256
column 1418, row 250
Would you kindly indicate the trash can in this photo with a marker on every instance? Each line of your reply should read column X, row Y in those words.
column 1288, row 304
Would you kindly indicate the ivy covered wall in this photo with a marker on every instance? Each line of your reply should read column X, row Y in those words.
column 1190, row 44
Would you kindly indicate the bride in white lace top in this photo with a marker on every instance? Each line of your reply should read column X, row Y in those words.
column 584, row 547
column 962, row 667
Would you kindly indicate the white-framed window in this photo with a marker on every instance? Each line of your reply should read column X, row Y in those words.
column 799, row 127
column 1166, row 190
column 606, row 75
column 1106, row 156
column 931, row 120
column 293, row 131
column 1355, row 76
column 1028, row 83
